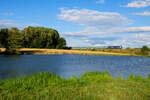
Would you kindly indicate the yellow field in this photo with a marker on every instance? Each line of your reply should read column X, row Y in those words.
column 37, row 51
column 60, row 51
column 2, row 49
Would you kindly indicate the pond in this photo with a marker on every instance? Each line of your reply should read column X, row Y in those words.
column 68, row 65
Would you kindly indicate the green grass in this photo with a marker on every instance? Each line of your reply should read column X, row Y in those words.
column 91, row 86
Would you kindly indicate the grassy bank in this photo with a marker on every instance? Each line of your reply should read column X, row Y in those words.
column 91, row 86
column 61, row 51
column 37, row 51
column 115, row 52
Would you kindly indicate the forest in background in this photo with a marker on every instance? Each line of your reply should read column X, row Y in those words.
column 30, row 37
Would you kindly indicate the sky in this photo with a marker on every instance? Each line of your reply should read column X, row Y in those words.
column 84, row 23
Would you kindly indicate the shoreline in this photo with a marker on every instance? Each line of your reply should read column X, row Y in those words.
column 69, row 52
column 37, row 51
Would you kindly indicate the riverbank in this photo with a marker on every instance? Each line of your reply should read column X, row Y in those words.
column 37, row 51
column 61, row 51
column 91, row 86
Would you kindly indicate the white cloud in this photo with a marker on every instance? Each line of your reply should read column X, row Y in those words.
column 140, row 37
column 87, row 32
column 145, row 13
column 84, row 32
column 35, row 24
column 137, row 29
column 86, row 40
column 98, row 24
column 11, row 23
column 8, row 24
column 135, row 40
column 100, row 1
column 93, row 19
column 139, row 3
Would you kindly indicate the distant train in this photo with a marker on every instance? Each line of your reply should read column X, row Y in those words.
column 100, row 47
column 114, row 47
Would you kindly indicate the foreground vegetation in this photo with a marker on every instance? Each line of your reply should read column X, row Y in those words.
column 91, row 86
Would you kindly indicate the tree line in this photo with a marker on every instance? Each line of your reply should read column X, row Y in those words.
column 30, row 37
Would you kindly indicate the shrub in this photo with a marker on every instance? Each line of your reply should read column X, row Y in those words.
column 144, row 50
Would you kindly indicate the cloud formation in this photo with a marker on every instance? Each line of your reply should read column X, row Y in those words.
column 143, row 29
column 137, row 29
column 8, row 24
column 138, row 3
column 135, row 40
column 145, row 13
column 93, row 19
column 100, row 28
column 11, row 23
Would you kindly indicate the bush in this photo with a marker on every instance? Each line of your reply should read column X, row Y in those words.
column 144, row 50
column 12, row 52
column 128, row 48
column 93, row 49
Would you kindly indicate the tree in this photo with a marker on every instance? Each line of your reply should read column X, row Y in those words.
column 30, row 37
column 14, row 41
column 128, row 48
column 61, row 43
column 4, row 36
column 11, row 39
column 144, row 50
column 40, row 37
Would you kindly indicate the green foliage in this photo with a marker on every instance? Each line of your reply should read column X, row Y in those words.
column 138, row 78
column 30, row 37
column 91, row 86
column 61, row 43
column 128, row 48
column 144, row 50
column 11, row 39
column 94, row 49
column 73, row 78
column 40, row 37
column 4, row 34
column 12, row 51
column 96, row 76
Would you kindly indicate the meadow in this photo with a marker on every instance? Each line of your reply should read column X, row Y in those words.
column 90, row 86
column 37, row 51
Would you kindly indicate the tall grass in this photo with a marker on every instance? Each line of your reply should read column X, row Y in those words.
column 90, row 86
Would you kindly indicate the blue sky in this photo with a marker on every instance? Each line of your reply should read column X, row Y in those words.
column 84, row 22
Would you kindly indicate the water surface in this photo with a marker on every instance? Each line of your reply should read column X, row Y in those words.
column 68, row 65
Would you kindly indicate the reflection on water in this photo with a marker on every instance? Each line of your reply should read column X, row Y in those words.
column 68, row 65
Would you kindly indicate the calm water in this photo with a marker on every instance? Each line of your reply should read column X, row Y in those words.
column 68, row 65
